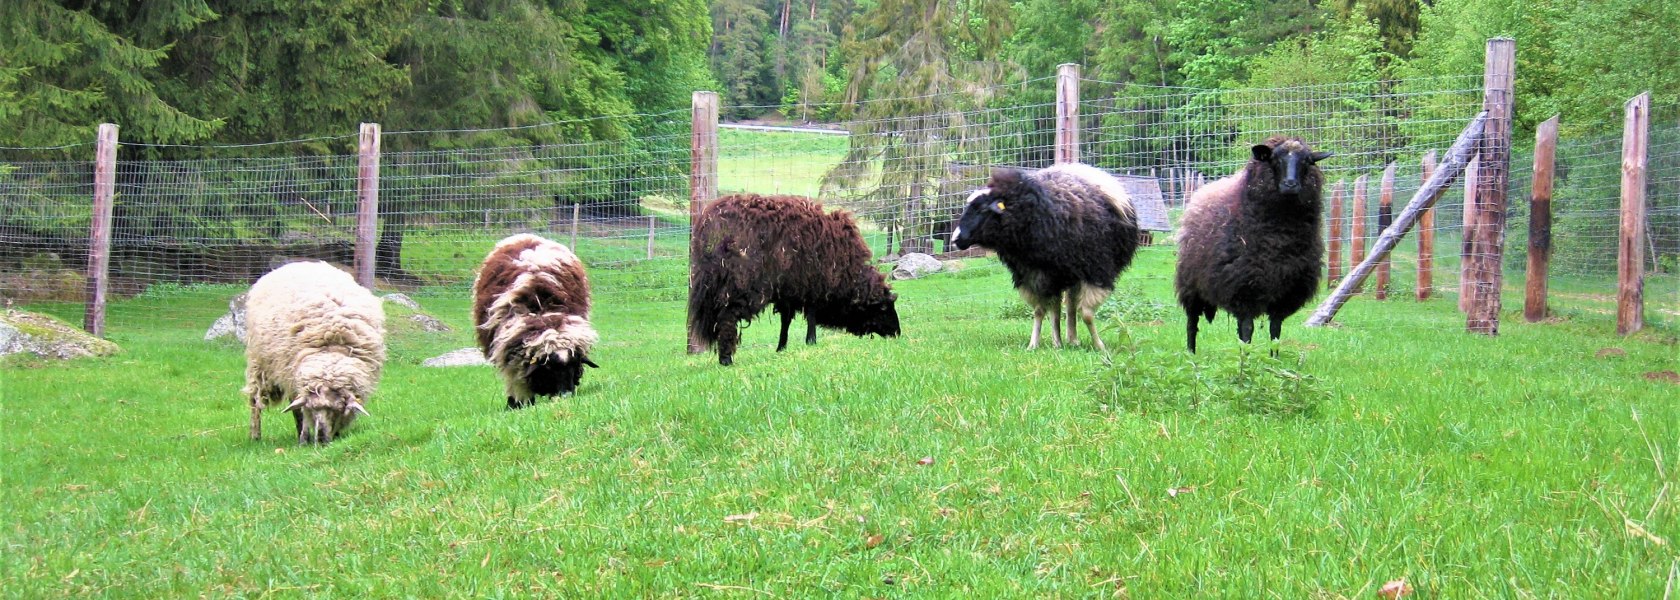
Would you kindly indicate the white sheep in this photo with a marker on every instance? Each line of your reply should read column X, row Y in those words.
column 315, row 339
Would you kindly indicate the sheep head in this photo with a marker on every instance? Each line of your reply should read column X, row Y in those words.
column 322, row 413
column 876, row 315
column 1007, row 196
column 1290, row 163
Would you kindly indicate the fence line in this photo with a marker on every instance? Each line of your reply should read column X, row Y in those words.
column 213, row 218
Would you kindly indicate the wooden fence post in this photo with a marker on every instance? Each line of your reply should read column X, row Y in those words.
column 99, row 238
column 1472, row 183
column 1630, row 262
column 1335, row 234
column 702, row 176
column 1540, row 221
column 652, row 221
column 1356, row 235
column 1426, row 238
column 1487, row 252
column 1385, row 216
column 576, row 207
column 1067, row 113
column 367, row 203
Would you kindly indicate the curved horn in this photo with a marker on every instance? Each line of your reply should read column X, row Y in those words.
column 296, row 404
column 357, row 406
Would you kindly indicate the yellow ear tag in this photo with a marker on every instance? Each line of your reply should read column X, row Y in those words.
column 999, row 206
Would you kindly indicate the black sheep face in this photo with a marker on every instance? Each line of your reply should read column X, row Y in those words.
column 1291, row 164
column 548, row 374
column 879, row 317
column 991, row 209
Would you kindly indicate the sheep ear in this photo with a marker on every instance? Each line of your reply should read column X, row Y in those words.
column 1318, row 156
column 357, row 407
column 296, row 404
column 1262, row 152
column 591, row 363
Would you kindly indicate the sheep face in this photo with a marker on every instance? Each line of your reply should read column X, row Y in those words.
column 551, row 368
column 1006, row 203
column 877, row 316
column 321, row 414
column 1291, row 163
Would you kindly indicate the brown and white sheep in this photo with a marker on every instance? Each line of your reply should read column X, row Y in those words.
column 531, row 311
column 316, row 341
column 1250, row 243
column 750, row 251
column 1067, row 230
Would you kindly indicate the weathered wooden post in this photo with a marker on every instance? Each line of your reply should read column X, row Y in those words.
column 1472, row 184
column 1630, row 262
column 99, row 238
column 1335, row 234
column 1487, row 237
column 576, row 207
column 1356, row 240
column 1067, row 113
column 652, row 221
column 1426, row 237
column 1385, row 216
column 367, row 203
column 702, row 176
column 1540, row 221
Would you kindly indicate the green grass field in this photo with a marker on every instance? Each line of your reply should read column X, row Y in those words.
column 949, row 462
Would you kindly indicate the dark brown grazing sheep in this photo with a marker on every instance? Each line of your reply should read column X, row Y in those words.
column 531, row 310
column 1068, row 230
column 750, row 251
column 1250, row 243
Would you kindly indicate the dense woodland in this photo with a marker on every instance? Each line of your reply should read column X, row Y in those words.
column 199, row 72
column 221, row 71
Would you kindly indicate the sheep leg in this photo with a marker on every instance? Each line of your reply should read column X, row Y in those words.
column 297, row 418
column 729, row 337
column 1245, row 329
column 1276, row 324
column 810, row 331
column 1190, row 314
column 787, row 321
column 1072, row 321
column 256, row 420
column 1055, row 308
column 1090, row 299
column 1038, row 326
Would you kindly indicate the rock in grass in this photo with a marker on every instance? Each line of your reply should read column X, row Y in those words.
column 914, row 265
column 230, row 324
column 47, row 337
column 429, row 323
column 465, row 357
column 402, row 300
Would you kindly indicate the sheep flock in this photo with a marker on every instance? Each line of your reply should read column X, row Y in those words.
column 1249, row 245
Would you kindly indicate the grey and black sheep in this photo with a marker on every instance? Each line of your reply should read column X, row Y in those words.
column 750, row 251
column 1064, row 232
column 531, row 312
column 316, row 341
column 1250, row 243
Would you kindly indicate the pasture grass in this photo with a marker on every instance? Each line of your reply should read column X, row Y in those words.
column 949, row 462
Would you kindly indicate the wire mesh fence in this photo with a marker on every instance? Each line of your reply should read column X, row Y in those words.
column 209, row 220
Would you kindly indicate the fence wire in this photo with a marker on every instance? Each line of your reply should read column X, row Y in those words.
column 211, row 219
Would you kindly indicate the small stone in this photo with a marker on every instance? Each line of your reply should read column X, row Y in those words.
column 465, row 357
column 230, row 324
column 401, row 300
column 429, row 323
